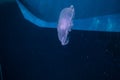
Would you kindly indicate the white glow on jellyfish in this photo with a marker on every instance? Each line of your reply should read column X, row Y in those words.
column 65, row 24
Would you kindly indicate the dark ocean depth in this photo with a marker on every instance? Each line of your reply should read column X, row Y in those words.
column 29, row 52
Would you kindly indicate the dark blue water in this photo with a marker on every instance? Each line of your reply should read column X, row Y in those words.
column 28, row 52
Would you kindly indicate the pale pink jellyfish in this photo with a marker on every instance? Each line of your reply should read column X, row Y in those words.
column 65, row 24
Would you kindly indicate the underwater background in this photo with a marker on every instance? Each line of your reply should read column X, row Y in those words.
column 33, row 52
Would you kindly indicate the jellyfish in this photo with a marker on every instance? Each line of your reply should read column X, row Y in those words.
column 65, row 24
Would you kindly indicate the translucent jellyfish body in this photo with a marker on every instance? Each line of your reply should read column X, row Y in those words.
column 65, row 24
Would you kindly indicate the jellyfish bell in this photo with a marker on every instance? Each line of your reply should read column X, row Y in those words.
column 65, row 24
